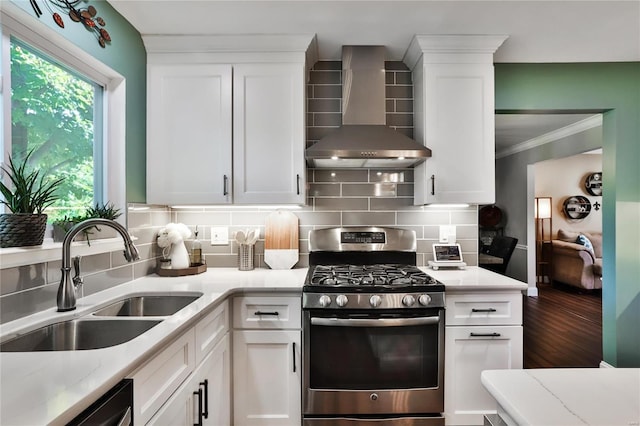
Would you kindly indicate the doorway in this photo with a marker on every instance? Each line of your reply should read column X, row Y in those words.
column 515, row 193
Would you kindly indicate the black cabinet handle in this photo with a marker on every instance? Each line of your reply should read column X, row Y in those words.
column 294, row 357
column 206, row 398
column 485, row 334
column 484, row 310
column 199, row 393
column 273, row 314
column 433, row 184
column 225, row 182
column 298, row 184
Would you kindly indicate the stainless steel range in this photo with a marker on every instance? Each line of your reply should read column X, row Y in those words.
column 373, row 331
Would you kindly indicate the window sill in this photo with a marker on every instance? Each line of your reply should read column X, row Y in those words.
column 50, row 251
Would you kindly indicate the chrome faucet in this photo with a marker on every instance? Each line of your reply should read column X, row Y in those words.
column 67, row 290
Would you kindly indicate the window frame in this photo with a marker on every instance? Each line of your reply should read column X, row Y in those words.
column 16, row 22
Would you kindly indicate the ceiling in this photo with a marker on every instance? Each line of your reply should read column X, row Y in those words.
column 538, row 30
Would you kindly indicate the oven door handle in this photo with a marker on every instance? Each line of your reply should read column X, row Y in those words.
column 380, row 322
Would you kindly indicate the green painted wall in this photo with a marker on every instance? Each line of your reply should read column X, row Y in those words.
column 125, row 54
column 615, row 89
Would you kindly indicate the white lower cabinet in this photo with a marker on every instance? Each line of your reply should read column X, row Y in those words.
column 483, row 332
column 211, row 380
column 166, row 387
column 267, row 373
column 266, row 377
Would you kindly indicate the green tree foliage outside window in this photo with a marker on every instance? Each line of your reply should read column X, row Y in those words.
column 52, row 114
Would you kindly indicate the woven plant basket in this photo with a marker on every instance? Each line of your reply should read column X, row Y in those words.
column 22, row 229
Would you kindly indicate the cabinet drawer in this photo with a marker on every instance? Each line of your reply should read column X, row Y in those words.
column 484, row 309
column 267, row 312
column 155, row 381
column 210, row 329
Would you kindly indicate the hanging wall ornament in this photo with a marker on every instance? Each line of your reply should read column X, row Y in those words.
column 77, row 12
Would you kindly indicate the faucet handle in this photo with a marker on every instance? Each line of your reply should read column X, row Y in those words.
column 77, row 279
column 76, row 265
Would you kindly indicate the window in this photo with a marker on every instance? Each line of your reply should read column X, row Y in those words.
column 56, row 114
column 107, row 109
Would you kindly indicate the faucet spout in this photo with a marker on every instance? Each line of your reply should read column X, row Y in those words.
column 66, row 297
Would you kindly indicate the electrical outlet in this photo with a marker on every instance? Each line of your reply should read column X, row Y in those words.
column 219, row 236
column 448, row 234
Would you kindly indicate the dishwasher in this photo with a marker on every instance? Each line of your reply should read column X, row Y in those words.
column 114, row 408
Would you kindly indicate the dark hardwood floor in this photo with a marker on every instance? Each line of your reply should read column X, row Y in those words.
column 562, row 327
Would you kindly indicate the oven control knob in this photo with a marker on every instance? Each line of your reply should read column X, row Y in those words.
column 324, row 301
column 408, row 300
column 341, row 300
column 424, row 299
column 375, row 301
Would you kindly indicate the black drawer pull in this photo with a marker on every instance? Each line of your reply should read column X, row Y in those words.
column 294, row 357
column 485, row 334
column 206, row 398
column 484, row 310
column 273, row 314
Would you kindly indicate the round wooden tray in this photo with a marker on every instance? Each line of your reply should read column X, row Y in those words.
column 192, row 270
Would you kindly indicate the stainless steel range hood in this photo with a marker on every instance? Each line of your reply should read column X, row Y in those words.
column 364, row 140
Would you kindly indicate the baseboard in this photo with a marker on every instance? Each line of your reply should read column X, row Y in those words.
column 605, row 365
column 532, row 291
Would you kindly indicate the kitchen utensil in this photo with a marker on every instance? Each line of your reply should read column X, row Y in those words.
column 256, row 235
column 249, row 237
column 281, row 240
column 240, row 237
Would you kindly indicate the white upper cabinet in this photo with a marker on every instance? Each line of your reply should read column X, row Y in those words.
column 454, row 116
column 189, row 133
column 226, row 119
column 269, row 133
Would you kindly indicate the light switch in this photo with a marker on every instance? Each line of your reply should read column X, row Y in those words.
column 219, row 236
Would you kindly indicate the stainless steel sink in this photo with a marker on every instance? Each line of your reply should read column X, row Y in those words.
column 78, row 334
column 148, row 305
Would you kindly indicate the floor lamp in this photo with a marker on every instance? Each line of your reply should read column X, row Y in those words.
column 542, row 215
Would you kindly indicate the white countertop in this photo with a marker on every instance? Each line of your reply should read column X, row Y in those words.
column 567, row 397
column 474, row 278
column 39, row 388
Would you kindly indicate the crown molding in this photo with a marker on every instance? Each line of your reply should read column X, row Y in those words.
column 572, row 129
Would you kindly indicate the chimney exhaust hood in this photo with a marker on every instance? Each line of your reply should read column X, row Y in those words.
column 364, row 140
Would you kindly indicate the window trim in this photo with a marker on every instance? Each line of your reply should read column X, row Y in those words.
column 18, row 23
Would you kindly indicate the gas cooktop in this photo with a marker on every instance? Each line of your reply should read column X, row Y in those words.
column 369, row 278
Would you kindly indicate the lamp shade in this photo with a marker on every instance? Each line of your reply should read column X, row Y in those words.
column 543, row 208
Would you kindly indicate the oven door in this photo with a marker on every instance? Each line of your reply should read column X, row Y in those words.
column 373, row 362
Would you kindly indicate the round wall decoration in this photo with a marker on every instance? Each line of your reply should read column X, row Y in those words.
column 576, row 207
column 490, row 216
column 593, row 184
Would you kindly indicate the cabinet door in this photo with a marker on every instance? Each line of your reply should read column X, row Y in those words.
column 216, row 369
column 458, row 125
column 468, row 351
column 268, row 133
column 266, row 377
column 178, row 410
column 183, row 407
column 189, row 134
column 156, row 381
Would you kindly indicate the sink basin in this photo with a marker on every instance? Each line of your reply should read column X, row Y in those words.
column 79, row 334
column 148, row 306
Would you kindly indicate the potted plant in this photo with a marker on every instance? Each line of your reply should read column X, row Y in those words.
column 105, row 211
column 27, row 196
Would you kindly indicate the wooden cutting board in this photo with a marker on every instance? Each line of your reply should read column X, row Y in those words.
column 281, row 241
